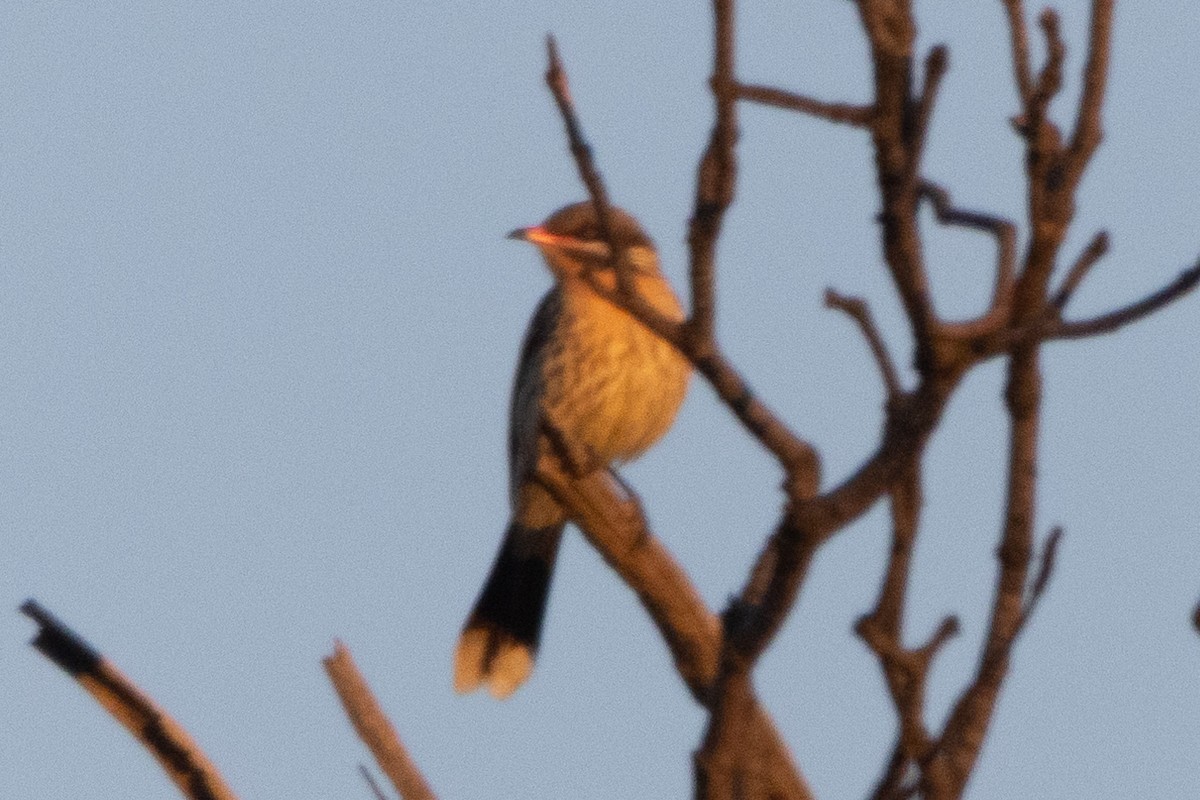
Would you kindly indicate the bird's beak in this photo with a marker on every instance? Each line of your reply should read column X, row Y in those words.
column 538, row 235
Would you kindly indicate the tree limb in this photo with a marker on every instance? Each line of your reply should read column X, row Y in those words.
column 856, row 308
column 716, row 178
column 614, row 524
column 1119, row 318
column 843, row 113
column 373, row 727
column 936, row 64
column 157, row 731
column 1079, row 270
column 1005, row 234
column 1019, row 42
column 1088, row 134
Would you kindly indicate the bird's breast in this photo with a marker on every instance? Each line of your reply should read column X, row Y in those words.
column 610, row 383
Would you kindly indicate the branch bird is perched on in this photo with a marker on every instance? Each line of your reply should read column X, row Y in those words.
column 597, row 381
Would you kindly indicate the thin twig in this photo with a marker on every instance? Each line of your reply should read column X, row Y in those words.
column 798, row 458
column 1005, row 233
column 625, row 295
column 373, row 726
column 858, row 116
column 856, row 308
column 906, row 499
column 1019, row 39
column 716, row 178
column 936, row 64
column 1050, row 78
column 962, row 738
column 947, row 630
column 1115, row 320
column 1045, row 570
column 905, row 671
column 891, row 31
column 1079, row 270
column 372, row 784
column 1087, row 134
column 157, row 731
column 556, row 79
column 948, row 214
column 1033, row 597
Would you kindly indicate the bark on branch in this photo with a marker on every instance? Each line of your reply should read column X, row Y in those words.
column 612, row 519
column 373, row 726
column 157, row 731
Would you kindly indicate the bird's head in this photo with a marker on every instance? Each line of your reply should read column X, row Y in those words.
column 572, row 243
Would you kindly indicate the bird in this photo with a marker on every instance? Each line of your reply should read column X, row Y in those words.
column 597, row 382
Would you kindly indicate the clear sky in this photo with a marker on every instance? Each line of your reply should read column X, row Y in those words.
column 257, row 327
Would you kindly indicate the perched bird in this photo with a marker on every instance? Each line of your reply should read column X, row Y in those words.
column 601, row 383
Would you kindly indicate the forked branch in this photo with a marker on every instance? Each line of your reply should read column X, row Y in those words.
column 1005, row 234
column 611, row 518
column 1079, row 270
column 1019, row 318
column 1126, row 315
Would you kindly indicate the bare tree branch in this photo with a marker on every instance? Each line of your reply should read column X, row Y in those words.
column 1018, row 320
column 856, row 308
column 797, row 457
column 782, row 565
column 1005, row 233
column 1087, row 135
column 614, row 524
column 936, row 64
column 906, row 500
column 1114, row 320
column 964, row 732
column 842, row 113
column 905, row 671
column 1042, row 579
column 1050, row 78
column 372, row 784
column 1019, row 41
column 759, row 611
column 373, row 726
column 157, row 731
column 612, row 520
column 890, row 783
column 556, row 79
column 891, row 32
column 716, row 178
column 1079, row 270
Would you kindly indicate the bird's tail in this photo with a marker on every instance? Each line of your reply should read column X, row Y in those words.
column 500, row 638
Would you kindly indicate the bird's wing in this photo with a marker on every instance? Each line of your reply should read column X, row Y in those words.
column 525, row 409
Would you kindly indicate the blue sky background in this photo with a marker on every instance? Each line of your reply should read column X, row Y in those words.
column 258, row 323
